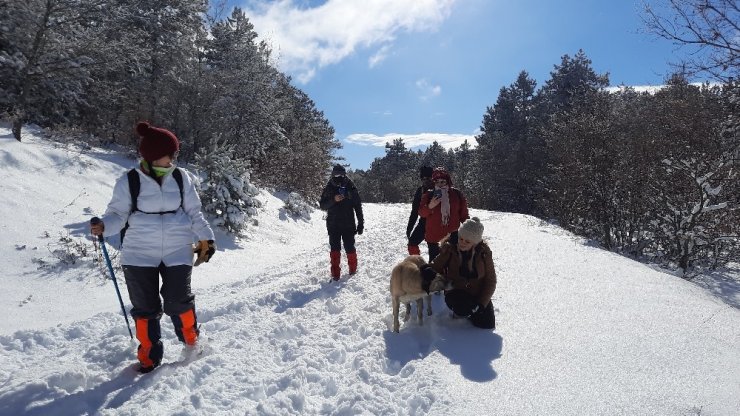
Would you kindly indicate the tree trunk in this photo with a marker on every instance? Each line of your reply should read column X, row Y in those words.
column 17, row 125
column 683, row 260
column 20, row 105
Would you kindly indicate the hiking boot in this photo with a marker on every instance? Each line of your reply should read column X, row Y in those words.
column 191, row 351
column 146, row 369
column 352, row 262
column 335, row 257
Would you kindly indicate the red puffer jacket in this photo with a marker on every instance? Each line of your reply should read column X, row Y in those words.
column 435, row 230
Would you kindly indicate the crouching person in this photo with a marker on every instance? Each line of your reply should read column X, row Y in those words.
column 467, row 262
column 158, row 207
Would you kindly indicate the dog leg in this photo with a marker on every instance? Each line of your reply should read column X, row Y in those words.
column 396, row 304
column 420, row 310
column 407, row 315
column 429, row 304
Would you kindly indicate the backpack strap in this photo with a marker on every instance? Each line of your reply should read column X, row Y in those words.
column 134, row 187
column 177, row 174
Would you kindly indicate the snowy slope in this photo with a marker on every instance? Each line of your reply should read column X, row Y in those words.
column 580, row 330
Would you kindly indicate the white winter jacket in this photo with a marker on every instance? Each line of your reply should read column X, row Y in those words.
column 155, row 238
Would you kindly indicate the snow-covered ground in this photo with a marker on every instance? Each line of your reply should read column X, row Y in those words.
column 580, row 331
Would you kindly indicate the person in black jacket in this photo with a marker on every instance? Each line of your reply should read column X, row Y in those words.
column 341, row 201
column 416, row 234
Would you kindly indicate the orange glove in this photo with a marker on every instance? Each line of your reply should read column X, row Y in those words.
column 204, row 251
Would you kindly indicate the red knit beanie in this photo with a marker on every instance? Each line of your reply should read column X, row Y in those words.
column 155, row 142
column 441, row 173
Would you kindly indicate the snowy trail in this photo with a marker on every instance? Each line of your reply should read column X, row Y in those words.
column 310, row 327
column 579, row 330
column 266, row 335
column 291, row 342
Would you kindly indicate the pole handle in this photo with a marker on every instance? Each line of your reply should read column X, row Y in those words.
column 95, row 221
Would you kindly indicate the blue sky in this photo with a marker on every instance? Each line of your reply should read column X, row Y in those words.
column 427, row 70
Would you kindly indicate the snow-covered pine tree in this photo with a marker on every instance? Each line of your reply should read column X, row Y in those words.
column 46, row 51
column 246, row 112
column 309, row 147
column 297, row 206
column 391, row 178
column 227, row 193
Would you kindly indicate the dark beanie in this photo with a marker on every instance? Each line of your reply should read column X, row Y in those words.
column 338, row 170
column 425, row 172
column 155, row 142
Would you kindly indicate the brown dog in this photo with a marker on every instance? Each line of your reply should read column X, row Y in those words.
column 407, row 285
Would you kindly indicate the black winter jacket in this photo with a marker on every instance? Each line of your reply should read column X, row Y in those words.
column 341, row 215
column 415, row 210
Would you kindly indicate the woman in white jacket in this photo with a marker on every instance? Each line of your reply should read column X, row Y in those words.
column 160, row 228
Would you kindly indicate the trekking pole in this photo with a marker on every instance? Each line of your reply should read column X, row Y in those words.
column 93, row 221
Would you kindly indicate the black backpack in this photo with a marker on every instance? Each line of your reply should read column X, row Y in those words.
column 134, row 187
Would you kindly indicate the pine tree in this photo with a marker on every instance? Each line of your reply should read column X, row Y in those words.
column 464, row 161
column 435, row 156
column 300, row 165
column 504, row 168
column 247, row 112
column 572, row 113
column 227, row 193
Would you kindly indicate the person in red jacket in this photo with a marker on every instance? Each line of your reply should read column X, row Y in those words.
column 444, row 209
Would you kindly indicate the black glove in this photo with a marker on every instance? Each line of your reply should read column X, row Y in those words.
column 360, row 228
column 478, row 308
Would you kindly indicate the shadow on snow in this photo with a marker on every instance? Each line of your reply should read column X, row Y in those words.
column 472, row 349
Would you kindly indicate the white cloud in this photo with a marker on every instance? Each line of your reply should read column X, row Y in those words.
column 379, row 56
column 448, row 141
column 385, row 113
column 428, row 90
column 650, row 89
column 308, row 39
